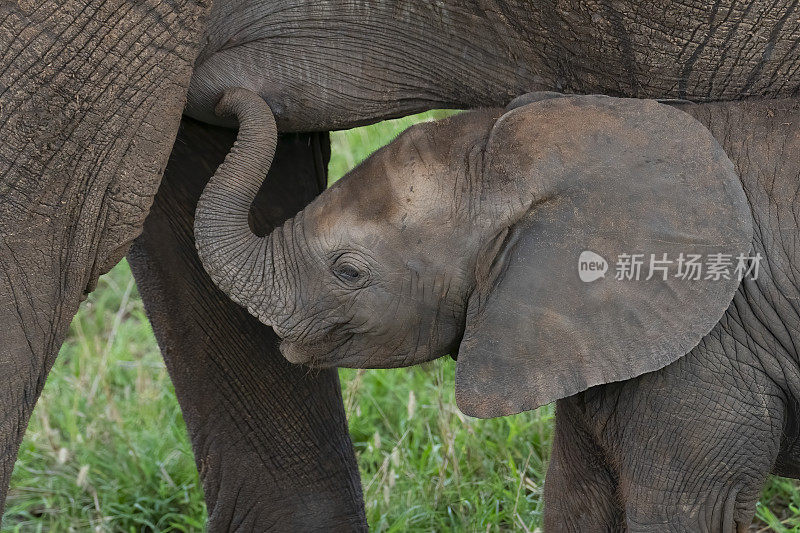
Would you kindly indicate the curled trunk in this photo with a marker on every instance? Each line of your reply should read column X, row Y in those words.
column 236, row 259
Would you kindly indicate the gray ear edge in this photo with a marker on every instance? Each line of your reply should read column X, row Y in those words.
column 538, row 96
column 483, row 399
column 481, row 404
column 531, row 98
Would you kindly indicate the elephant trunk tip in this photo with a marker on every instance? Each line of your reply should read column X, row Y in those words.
column 292, row 353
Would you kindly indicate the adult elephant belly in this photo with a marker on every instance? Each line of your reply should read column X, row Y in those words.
column 325, row 64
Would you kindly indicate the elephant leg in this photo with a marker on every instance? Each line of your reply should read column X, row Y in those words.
column 270, row 438
column 580, row 488
column 91, row 93
column 691, row 444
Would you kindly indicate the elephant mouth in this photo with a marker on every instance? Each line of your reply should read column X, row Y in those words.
column 320, row 355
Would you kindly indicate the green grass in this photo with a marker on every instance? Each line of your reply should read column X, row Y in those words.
column 106, row 449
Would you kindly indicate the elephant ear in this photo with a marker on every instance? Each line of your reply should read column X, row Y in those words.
column 608, row 184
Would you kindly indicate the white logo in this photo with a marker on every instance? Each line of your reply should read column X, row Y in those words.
column 591, row 266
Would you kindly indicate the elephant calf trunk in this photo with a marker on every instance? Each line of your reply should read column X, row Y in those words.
column 236, row 259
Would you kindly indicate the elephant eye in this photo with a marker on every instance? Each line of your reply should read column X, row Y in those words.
column 352, row 269
column 347, row 273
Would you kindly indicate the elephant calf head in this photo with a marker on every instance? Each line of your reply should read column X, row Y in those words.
column 464, row 235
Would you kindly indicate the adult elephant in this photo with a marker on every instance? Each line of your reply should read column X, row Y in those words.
column 91, row 95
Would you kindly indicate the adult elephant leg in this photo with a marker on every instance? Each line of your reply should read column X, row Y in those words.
column 91, row 94
column 270, row 438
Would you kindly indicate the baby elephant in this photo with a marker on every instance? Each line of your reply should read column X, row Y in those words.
column 560, row 244
column 465, row 236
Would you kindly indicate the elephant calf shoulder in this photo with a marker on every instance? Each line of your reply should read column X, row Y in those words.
column 763, row 139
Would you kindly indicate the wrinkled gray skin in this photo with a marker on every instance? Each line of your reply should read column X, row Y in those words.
column 717, row 421
column 418, row 247
column 91, row 97
column 354, row 62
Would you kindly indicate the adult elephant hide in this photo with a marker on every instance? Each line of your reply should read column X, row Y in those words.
column 91, row 94
column 324, row 65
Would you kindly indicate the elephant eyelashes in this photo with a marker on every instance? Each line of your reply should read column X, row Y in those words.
column 349, row 270
column 347, row 273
